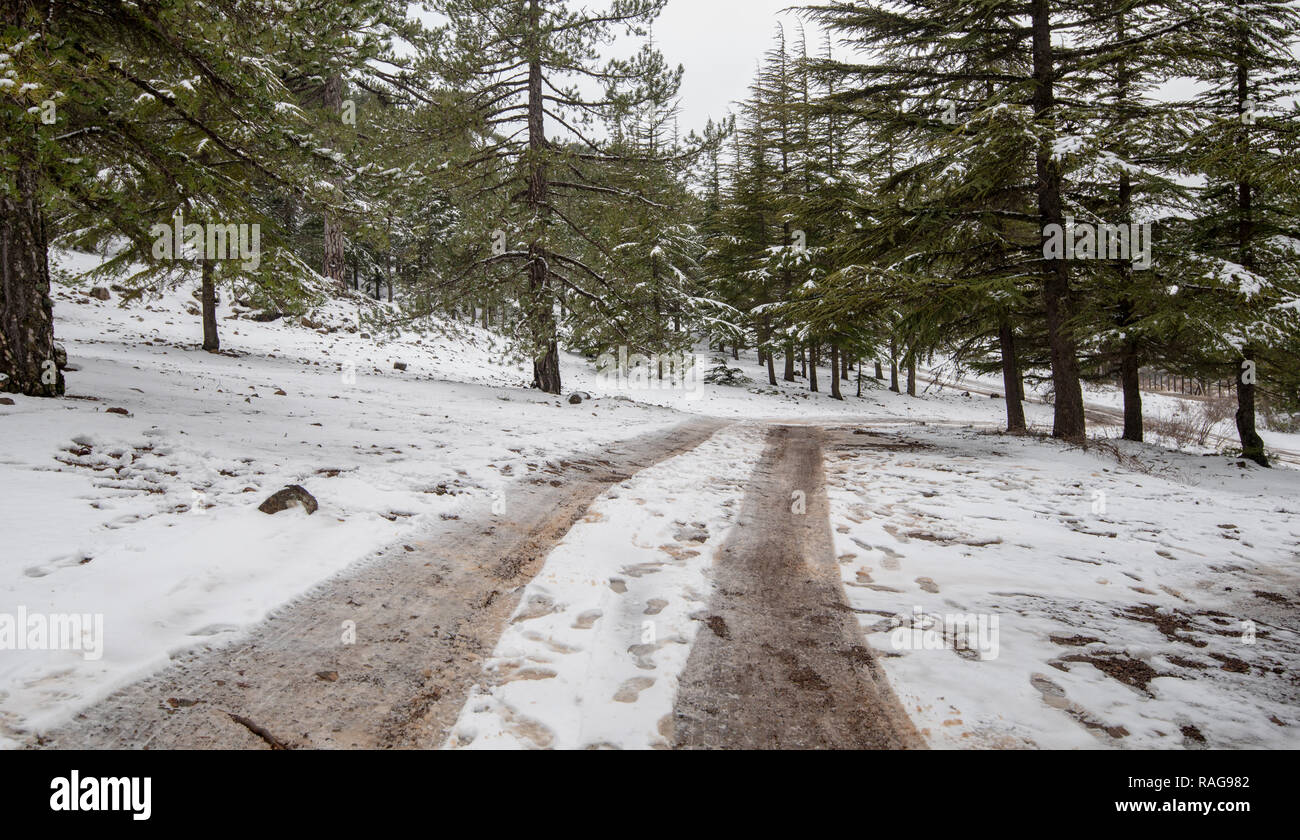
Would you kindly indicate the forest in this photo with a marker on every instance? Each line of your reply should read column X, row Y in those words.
column 1062, row 192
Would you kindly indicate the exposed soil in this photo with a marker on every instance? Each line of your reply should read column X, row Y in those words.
column 1132, row 672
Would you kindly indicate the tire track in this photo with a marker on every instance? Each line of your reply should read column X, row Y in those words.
column 782, row 663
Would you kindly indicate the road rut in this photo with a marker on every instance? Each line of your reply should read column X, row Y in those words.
column 782, row 662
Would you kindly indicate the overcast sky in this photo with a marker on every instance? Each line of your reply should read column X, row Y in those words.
column 720, row 42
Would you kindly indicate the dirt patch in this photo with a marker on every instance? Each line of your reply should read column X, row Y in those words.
column 1131, row 672
column 1173, row 625
column 1231, row 663
column 1073, row 641
column 1055, row 697
column 718, row 625
column 841, row 439
column 808, row 679
column 1184, row 662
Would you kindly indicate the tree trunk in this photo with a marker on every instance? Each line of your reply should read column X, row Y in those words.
column 893, row 368
column 388, row 258
column 880, row 372
column 1011, row 379
column 812, row 367
column 835, row 373
column 334, row 251
column 546, row 365
column 1252, row 445
column 546, row 360
column 28, row 360
column 211, row 340
column 1129, row 366
column 1068, row 421
column 789, row 362
column 911, row 375
column 766, row 355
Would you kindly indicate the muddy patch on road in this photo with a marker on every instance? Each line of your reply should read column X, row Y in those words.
column 786, row 666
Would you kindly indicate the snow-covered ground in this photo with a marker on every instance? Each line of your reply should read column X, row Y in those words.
column 1123, row 583
column 147, row 516
column 150, row 518
column 1193, row 424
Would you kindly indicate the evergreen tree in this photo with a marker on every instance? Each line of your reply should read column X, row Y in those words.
column 530, row 71
column 171, row 107
column 1244, row 232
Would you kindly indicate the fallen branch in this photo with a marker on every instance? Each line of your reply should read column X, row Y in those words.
column 274, row 742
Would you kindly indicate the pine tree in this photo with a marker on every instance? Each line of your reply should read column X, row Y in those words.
column 945, row 242
column 178, row 107
column 1245, row 232
column 1122, row 170
column 520, row 67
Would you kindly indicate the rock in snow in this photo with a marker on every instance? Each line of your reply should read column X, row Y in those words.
column 287, row 498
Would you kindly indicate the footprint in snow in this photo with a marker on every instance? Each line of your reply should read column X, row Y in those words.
column 214, row 629
column 631, row 689
column 586, row 620
column 536, row 607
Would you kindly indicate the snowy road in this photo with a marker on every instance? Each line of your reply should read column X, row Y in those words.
column 1008, row 591
column 777, row 585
